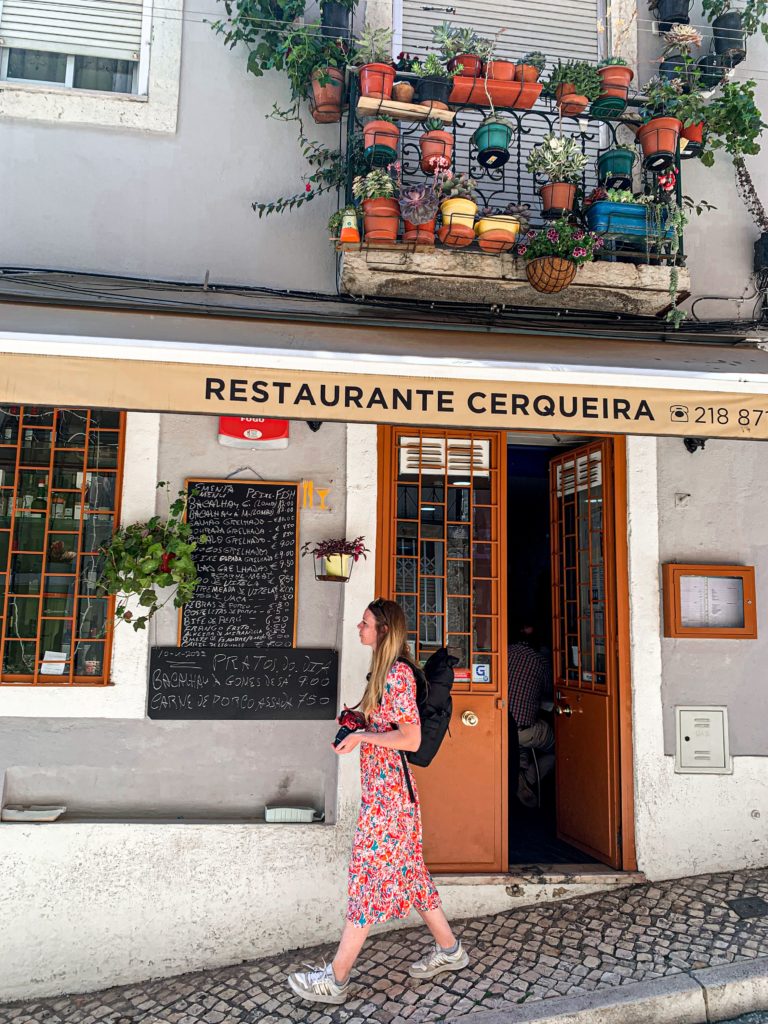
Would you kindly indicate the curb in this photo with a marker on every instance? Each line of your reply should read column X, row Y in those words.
column 698, row 997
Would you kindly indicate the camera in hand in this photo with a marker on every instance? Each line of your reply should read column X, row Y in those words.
column 350, row 721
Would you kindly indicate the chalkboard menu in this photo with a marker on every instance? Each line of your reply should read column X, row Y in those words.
column 248, row 565
column 234, row 682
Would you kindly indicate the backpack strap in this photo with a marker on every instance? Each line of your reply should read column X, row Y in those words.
column 407, row 774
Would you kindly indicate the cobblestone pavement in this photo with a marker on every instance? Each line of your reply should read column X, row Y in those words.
column 595, row 942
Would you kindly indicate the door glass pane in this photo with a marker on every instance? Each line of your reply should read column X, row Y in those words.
column 481, row 490
column 458, row 646
column 458, row 615
column 406, row 575
column 408, row 603
column 22, row 617
column 19, row 657
column 458, row 541
column 458, row 577
column 431, row 597
column 431, row 558
column 482, row 524
column 89, row 658
column 102, row 449
column 407, row 501
column 482, row 556
column 35, row 447
column 482, row 591
column 458, row 504
column 26, row 571
column 9, row 424
column 483, row 634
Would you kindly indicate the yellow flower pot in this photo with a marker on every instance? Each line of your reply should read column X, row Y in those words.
column 339, row 566
column 459, row 213
column 497, row 234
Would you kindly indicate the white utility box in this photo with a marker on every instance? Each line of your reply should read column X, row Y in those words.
column 702, row 740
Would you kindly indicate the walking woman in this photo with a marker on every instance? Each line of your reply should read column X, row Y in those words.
column 387, row 874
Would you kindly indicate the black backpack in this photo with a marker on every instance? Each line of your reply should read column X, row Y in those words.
column 433, row 699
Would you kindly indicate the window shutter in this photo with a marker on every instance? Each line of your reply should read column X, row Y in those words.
column 437, row 455
column 94, row 28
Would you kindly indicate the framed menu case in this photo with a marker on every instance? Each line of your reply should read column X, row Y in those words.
column 716, row 601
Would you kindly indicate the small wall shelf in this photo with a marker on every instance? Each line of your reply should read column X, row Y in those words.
column 370, row 106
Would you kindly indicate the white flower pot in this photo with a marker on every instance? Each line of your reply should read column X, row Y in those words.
column 339, row 566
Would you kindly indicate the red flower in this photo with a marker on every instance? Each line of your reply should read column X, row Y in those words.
column 307, row 187
column 165, row 561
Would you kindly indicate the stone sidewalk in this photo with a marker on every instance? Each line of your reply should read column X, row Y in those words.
column 629, row 935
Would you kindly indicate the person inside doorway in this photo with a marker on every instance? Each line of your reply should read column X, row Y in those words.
column 387, row 875
column 529, row 682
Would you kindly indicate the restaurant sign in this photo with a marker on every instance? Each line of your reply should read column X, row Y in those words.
column 391, row 399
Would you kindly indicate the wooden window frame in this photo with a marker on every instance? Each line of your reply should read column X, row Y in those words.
column 673, row 573
column 38, row 679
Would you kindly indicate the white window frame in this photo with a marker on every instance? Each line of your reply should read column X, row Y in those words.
column 154, row 105
column 69, row 74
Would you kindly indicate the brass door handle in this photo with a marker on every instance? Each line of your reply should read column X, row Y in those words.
column 469, row 718
column 563, row 710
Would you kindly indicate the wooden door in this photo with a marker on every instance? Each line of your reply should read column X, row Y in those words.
column 441, row 549
column 584, row 651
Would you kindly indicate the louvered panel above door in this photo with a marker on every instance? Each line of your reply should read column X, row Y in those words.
column 99, row 28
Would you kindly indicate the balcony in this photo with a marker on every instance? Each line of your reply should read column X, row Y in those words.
column 630, row 274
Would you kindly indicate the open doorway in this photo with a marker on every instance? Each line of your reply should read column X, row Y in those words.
column 534, row 771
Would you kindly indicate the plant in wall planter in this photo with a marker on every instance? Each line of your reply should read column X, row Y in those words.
column 530, row 66
column 334, row 559
column 315, row 67
column 376, row 193
column 498, row 227
column 436, row 145
column 670, row 12
column 732, row 26
column 659, row 134
column 691, row 110
column 615, row 78
column 677, row 59
column 433, row 82
column 492, row 138
column 614, row 166
column 343, row 226
column 462, row 49
column 619, row 212
column 380, row 139
column 335, row 17
column 374, row 51
column 458, row 209
column 575, row 84
column 418, row 208
column 145, row 558
column 553, row 254
column 562, row 161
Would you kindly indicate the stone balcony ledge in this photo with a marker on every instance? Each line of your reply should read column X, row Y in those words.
column 441, row 275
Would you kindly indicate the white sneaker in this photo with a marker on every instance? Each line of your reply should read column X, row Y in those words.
column 439, row 961
column 318, row 985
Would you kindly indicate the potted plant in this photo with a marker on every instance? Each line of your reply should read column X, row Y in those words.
column 710, row 70
column 377, row 74
column 343, row 226
column 335, row 558
column 497, row 228
column 435, row 144
column 614, row 166
column 457, row 209
column 335, row 17
column 691, row 110
column 314, row 65
column 735, row 124
column 619, row 212
column 553, row 254
column 144, row 558
column 530, row 66
column 462, row 50
column 375, row 191
column 380, row 138
column 677, row 60
column 562, row 161
column 730, row 26
column 615, row 78
column 418, row 208
column 660, row 133
column 575, row 84
column 670, row 12
column 433, row 82
column 492, row 138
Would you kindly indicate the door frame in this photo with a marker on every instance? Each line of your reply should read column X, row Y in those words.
column 623, row 636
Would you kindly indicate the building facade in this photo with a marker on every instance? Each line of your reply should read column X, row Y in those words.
column 502, row 464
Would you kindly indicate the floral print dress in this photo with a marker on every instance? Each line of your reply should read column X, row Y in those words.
column 387, row 874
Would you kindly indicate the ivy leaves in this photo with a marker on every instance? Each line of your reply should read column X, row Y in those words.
column 144, row 558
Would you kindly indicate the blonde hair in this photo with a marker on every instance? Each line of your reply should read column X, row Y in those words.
column 392, row 644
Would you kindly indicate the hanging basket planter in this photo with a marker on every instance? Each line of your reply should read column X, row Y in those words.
column 327, row 99
column 614, row 90
column 435, row 144
column 421, row 234
column 380, row 139
column 672, row 12
column 711, row 70
column 614, row 167
column 550, row 274
column 694, row 141
column 497, row 233
column 381, row 219
column 557, row 199
column 332, row 565
column 730, row 38
column 377, row 80
column 492, row 139
column 335, row 19
column 659, row 138
column 569, row 102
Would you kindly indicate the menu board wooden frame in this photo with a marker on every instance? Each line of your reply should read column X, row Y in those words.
column 192, row 480
column 674, row 618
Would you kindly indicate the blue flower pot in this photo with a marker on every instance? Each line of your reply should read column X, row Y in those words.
column 620, row 220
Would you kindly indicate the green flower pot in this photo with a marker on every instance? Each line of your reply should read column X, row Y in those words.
column 492, row 139
column 615, row 166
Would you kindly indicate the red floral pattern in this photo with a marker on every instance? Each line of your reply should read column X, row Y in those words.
column 387, row 874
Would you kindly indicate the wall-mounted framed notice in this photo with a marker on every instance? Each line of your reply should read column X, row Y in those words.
column 716, row 601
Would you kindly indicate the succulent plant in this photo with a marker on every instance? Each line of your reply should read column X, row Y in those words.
column 377, row 184
column 681, row 39
column 418, row 204
column 535, row 58
column 453, row 41
column 558, row 158
column 457, row 186
column 374, row 46
column 431, row 67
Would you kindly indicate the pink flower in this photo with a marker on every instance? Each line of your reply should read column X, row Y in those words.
column 579, row 251
column 531, row 233
column 552, row 235
column 522, row 250
column 599, row 243
column 578, row 235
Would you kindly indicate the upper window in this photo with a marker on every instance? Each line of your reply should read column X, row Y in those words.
column 73, row 71
column 59, row 496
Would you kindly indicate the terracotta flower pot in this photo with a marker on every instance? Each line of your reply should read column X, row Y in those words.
column 500, row 70
column 659, row 139
column 497, row 234
column 693, row 132
column 614, row 90
column 557, row 198
column 403, row 92
column 377, row 80
column 327, row 99
column 692, row 141
column 381, row 218
column 422, row 234
column 471, row 66
column 550, row 274
column 459, row 212
column 458, row 236
column 527, row 73
column 433, row 145
column 569, row 101
column 380, row 139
